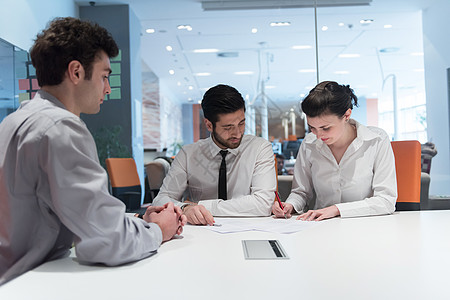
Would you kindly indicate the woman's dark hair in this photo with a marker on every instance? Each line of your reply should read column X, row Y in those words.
column 221, row 99
column 65, row 40
column 329, row 97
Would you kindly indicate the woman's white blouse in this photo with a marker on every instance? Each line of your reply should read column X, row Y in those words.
column 362, row 184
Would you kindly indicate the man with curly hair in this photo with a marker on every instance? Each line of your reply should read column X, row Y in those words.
column 53, row 191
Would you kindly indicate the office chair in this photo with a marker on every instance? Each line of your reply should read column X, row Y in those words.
column 125, row 181
column 408, row 169
column 156, row 172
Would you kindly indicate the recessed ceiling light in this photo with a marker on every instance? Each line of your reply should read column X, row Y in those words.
column 254, row 30
column 341, row 72
column 270, row 87
column 190, row 87
column 277, row 24
column 179, row 83
column 171, row 72
column 349, row 55
column 307, row 70
column 184, row 27
column 243, row 73
column 341, row 24
column 150, row 30
column 387, row 26
column 169, row 48
column 324, row 28
column 206, row 50
column 202, row 74
column 301, row 47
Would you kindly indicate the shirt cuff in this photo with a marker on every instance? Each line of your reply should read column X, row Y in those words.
column 157, row 230
column 210, row 205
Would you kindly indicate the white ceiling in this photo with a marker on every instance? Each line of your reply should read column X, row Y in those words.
column 269, row 54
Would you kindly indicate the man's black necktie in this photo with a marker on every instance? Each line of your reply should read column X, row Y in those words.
column 223, row 176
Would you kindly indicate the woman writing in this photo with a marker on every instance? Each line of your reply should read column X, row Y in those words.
column 343, row 168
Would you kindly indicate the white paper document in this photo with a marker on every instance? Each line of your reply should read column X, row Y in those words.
column 229, row 225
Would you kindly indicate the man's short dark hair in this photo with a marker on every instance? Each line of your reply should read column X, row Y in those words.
column 221, row 99
column 65, row 40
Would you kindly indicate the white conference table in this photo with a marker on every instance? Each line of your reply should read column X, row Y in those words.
column 401, row 256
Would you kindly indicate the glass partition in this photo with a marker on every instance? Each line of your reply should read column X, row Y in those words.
column 17, row 78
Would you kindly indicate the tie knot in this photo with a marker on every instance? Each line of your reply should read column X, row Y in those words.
column 223, row 153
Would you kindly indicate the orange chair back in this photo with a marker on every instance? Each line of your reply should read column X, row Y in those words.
column 125, row 183
column 292, row 137
column 408, row 169
column 122, row 172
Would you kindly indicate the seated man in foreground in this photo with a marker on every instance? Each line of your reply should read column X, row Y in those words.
column 53, row 191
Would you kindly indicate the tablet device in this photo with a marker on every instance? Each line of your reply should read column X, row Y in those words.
column 263, row 249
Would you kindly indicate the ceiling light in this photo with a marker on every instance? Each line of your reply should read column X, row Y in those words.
column 307, row 70
column 202, row 74
column 349, row 55
column 324, row 28
column 270, row 87
column 341, row 72
column 366, row 21
column 209, row 5
column 190, row 87
column 387, row 26
column 169, row 48
column 277, row 24
column 301, row 47
column 179, row 83
column 254, row 30
column 150, row 30
column 243, row 73
column 206, row 50
column 416, row 54
column 184, row 27
column 190, row 99
column 171, row 72
column 341, row 24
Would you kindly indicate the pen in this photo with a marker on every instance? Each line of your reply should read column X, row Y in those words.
column 279, row 202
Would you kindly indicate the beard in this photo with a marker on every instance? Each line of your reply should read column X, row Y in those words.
column 225, row 143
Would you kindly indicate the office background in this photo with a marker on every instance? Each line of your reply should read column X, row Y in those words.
column 168, row 115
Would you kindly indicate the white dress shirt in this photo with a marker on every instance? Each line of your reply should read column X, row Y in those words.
column 251, row 178
column 54, row 192
column 362, row 184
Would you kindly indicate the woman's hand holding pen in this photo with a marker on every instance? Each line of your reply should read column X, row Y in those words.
column 281, row 213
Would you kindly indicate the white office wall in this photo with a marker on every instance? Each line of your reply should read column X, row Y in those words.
column 21, row 20
column 437, row 60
